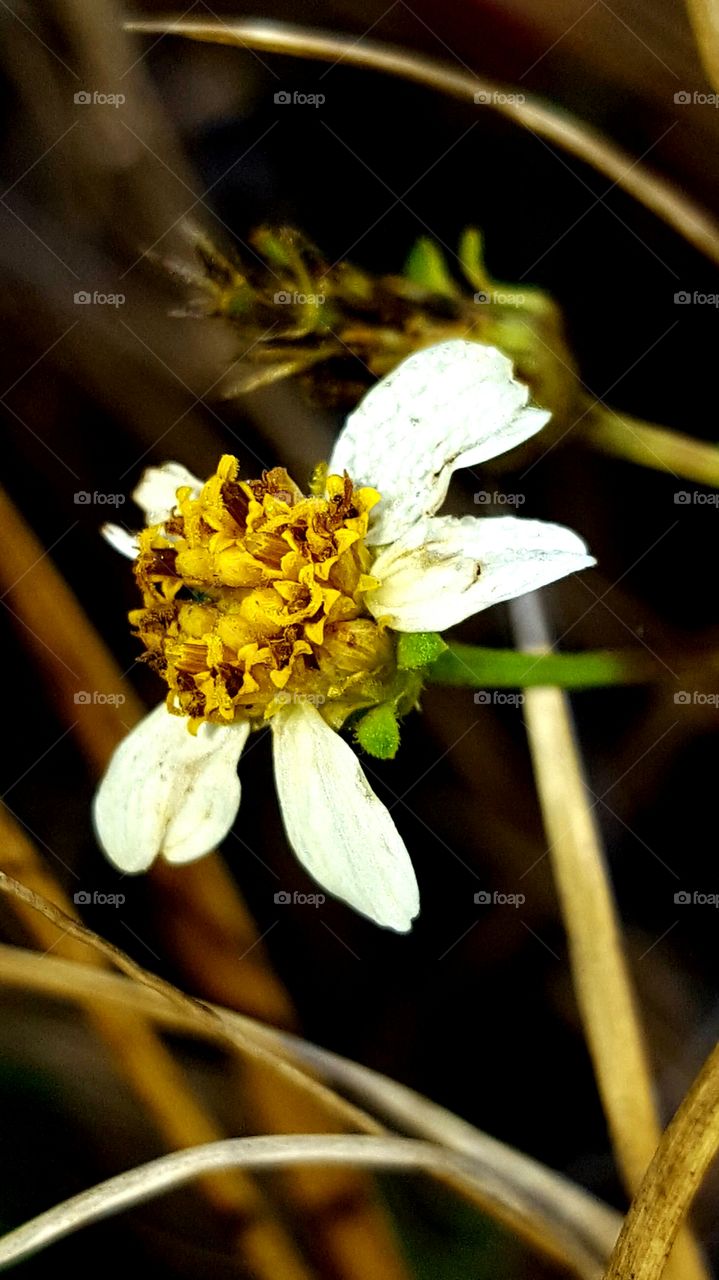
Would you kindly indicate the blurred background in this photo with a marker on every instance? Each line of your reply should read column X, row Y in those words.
column 475, row 1008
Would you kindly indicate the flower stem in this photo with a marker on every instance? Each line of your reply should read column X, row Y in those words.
column 468, row 664
column 623, row 436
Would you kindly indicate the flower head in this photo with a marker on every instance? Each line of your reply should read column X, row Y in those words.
column 254, row 594
column 262, row 604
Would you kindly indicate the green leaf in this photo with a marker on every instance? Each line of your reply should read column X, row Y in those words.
column 378, row 732
column 425, row 265
column 467, row 664
column 418, row 649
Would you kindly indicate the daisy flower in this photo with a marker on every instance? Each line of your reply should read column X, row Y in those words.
column 262, row 605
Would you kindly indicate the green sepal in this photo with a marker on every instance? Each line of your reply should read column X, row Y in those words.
column 417, row 649
column 378, row 732
column 272, row 246
column 471, row 256
column 426, row 266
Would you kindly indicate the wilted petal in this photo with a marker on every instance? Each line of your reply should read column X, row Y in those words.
column 449, row 406
column 120, row 540
column 445, row 569
column 168, row 793
column 341, row 833
column 156, row 493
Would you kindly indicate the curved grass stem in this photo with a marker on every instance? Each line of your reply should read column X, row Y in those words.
column 548, row 1212
column 686, row 1151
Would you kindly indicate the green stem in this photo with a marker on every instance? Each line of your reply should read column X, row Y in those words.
column 623, row 436
column 467, row 664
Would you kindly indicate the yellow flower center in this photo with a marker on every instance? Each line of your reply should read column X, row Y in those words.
column 253, row 596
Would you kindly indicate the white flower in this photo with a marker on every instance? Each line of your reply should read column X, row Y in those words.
column 173, row 794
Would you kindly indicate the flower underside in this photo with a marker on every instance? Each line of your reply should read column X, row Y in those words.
column 253, row 595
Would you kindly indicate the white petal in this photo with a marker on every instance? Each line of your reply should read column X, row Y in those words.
column 453, row 405
column 342, row 834
column 444, row 569
column 156, row 493
column 168, row 793
column 120, row 540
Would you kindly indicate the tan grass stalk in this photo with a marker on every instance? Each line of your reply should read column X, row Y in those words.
column 602, row 982
column 704, row 17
